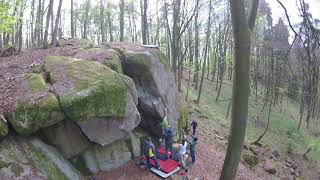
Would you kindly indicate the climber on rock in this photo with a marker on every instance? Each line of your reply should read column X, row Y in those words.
column 150, row 152
column 164, row 124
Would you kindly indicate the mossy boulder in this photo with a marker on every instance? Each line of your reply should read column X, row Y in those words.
column 95, row 97
column 86, row 89
column 29, row 158
column 36, row 107
column 108, row 57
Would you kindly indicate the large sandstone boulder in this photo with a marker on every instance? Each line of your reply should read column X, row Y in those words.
column 95, row 97
column 88, row 109
column 36, row 107
column 30, row 158
column 150, row 70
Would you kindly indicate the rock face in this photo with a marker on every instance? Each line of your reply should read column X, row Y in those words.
column 67, row 137
column 87, row 107
column 30, row 158
column 105, row 158
column 149, row 69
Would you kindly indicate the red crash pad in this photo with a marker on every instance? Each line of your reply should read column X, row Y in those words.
column 166, row 166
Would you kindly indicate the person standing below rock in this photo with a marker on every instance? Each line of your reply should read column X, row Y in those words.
column 150, row 153
column 182, row 152
column 193, row 144
column 168, row 137
column 194, row 125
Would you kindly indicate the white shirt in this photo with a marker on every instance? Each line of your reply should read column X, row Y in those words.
column 183, row 148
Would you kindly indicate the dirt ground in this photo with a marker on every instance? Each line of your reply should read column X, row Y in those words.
column 209, row 160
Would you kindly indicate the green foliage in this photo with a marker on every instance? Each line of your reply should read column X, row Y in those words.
column 6, row 19
column 315, row 149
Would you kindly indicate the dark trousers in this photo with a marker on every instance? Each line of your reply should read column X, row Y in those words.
column 193, row 157
column 154, row 158
column 168, row 147
column 193, row 131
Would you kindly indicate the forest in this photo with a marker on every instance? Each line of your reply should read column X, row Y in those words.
column 248, row 71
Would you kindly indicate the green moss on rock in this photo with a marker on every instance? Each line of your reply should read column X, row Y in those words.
column 35, row 82
column 29, row 117
column 114, row 63
column 251, row 160
column 163, row 58
column 3, row 164
column 97, row 91
column 141, row 60
column 40, row 161
column 3, row 129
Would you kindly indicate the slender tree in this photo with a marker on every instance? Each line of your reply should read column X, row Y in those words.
column 144, row 21
column 121, row 5
column 86, row 21
column 241, row 26
column 45, row 41
column 102, row 26
column 205, row 52
column 71, row 20
column 54, row 40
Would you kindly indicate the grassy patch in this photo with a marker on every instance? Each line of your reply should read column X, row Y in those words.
column 282, row 133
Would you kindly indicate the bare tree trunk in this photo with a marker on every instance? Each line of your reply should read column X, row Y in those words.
column 20, row 40
column 110, row 23
column 45, row 42
column 240, row 91
column 144, row 21
column 32, row 22
column 54, row 40
column 121, row 19
column 196, row 49
column 71, row 21
column 175, row 42
column 205, row 53
column 86, row 19
column 102, row 27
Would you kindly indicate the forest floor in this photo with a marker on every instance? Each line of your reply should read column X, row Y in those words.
column 213, row 133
